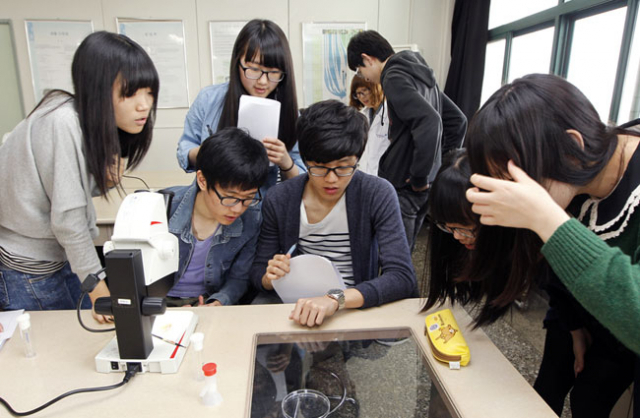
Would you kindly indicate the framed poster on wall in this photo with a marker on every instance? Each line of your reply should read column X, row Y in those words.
column 164, row 41
column 325, row 72
column 51, row 45
column 222, row 36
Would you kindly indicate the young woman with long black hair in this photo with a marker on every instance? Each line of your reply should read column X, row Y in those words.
column 452, row 234
column 261, row 66
column 542, row 154
column 70, row 148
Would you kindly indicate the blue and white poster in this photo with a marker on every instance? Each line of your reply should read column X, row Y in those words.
column 326, row 74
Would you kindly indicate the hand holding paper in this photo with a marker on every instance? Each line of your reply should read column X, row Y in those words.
column 278, row 266
column 277, row 152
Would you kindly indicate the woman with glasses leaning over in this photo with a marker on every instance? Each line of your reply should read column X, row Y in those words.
column 261, row 66
column 452, row 240
column 369, row 99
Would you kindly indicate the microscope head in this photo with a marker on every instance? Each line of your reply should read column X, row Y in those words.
column 141, row 224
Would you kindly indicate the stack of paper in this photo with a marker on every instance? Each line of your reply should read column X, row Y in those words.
column 259, row 116
column 8, row 319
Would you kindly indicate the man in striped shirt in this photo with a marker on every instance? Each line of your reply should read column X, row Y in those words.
column 334, row 211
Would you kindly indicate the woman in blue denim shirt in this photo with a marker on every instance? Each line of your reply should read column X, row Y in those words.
column 261, row 66
column 217, row 221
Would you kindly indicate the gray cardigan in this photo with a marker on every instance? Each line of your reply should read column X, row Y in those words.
column 378, row 241
column 47, row 213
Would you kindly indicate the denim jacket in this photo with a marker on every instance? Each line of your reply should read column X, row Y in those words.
column 232, row 251
column 203, row 117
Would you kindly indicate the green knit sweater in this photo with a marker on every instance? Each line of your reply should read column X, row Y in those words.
column 603, row 276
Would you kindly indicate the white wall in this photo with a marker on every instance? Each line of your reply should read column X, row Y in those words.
column 426, row 23
column 431, row 30
column 10, row 105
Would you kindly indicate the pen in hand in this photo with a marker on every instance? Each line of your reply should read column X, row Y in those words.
column 292, row 249
column 168, row 341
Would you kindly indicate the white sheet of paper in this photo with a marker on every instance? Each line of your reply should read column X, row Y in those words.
column 172, row 325
column 259, row 116
column 309, row 276
column 8, row 319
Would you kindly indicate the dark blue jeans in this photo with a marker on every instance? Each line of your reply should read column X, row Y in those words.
column 59, row 290
column 413, row 207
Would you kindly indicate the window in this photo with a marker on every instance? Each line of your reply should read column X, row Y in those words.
column 506, row 11
column 589, row 42
column 630, row 102
column 594, row 57
column 492, row 69
column 531, row 53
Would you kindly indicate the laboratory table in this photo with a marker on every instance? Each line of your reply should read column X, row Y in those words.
column 488, row 387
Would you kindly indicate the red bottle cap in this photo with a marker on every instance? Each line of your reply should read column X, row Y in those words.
column 209, row 369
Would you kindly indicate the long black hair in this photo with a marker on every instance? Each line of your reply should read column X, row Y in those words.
column 263, row 42
column 445, row 256
column 527, row 122
column 102, row 60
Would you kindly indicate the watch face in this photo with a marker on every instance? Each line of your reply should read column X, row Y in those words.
column 338, row 295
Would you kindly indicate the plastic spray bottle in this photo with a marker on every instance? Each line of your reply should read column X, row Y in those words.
column 24, row 322
column 210, row 395
column 197, row 340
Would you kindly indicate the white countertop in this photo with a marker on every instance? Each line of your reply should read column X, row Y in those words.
column 488, row 387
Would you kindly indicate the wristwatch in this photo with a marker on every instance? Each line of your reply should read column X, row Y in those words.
column 338, row 296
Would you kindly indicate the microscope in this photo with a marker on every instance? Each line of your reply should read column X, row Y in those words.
column 142, row 252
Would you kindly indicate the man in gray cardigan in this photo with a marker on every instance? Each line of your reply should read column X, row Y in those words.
column 334, row 211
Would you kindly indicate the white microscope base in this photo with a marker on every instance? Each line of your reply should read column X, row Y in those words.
column 165, row 357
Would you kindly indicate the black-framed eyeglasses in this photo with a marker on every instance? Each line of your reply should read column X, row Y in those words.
column 230, row 201
column 361, row 94
column 465, row 232
column 322, row 171
column 253, row 73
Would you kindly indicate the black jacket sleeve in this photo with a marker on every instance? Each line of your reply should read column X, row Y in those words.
column 423, row 121
column 454, row 125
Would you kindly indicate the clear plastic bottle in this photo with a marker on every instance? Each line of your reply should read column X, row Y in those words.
column 24, row 322
column 197, row 340
column 209, row 394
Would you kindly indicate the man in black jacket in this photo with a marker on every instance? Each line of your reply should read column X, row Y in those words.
column 424, row 122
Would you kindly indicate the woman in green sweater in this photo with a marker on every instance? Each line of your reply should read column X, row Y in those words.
column 539, row 150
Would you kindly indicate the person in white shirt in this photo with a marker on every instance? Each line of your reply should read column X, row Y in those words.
column 368, row 98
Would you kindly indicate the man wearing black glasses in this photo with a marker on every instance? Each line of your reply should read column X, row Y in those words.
column 337, row 212
column 423, row 122
column 217, row 220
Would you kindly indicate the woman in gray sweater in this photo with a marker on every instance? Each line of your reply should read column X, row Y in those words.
column 70, row 148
